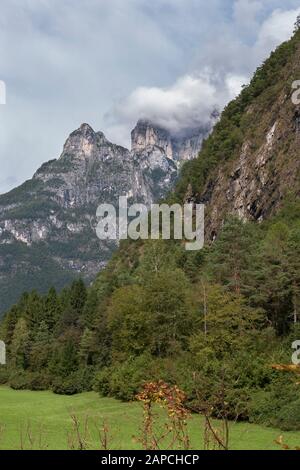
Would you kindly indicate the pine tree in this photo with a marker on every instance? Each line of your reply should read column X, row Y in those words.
column 90, row 310
column 293, row 269
column 78, row 296
column 274, row 291
column 20, row 345
column 33, row 310
column 51, row 309
column 230, row 258
column 65, row 358
column 40, row 348
column 8, row 325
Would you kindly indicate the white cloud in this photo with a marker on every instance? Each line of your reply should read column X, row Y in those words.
column 188, row 103
column 245, row 14
column 191, row 99
column 276, row 29
column 67, row 62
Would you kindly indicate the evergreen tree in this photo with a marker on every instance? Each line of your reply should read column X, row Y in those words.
column 33, row 310
column 293, row 269
column 90, row 310
column 20, row 345
column 51, row 309
column 8, row 325
column 65, row 358
column 41, row 347
column 78, row 296
column 231, row 256
column 274, row 292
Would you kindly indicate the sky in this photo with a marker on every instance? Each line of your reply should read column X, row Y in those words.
column 111, row 62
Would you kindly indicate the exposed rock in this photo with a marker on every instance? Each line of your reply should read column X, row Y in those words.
column 176, row 146
column 253, row 186
column 50, row 221
column 147, row 134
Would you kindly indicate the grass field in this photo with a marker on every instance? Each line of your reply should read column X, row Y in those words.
column 47, row 417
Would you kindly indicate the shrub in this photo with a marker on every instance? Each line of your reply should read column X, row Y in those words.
column 124, row 380
column 277, row 406
column 66, row 386
column 4, row 375
column 288, row 418
column 77, row 382
column 23, row 380
column 19, row 380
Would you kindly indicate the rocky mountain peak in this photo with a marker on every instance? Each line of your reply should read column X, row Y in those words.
column 86, row 128
column 83, row 143
column 80, row 142
column 57, row 207
column 177, row 146
column 147, row 134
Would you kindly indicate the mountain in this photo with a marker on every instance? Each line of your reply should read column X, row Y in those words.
column 180, row 146
column 250, row 164
column 211, row 321
column 47, row 225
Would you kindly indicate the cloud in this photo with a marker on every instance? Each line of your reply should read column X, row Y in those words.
column 218, row 78
column 276, row 29
column 245, row 14
column 188, row 103
column 110, row 62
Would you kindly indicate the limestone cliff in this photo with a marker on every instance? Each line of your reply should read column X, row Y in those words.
column 180, row 146
column 47, row 225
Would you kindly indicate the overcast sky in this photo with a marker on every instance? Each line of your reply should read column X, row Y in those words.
column 110, row 62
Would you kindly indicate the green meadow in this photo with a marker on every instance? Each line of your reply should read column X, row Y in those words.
column 43, row 420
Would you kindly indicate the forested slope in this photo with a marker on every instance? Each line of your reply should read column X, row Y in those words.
column 212, row 321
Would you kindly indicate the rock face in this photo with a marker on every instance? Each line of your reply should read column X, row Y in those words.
column 48, row 225
column 261, row 170
column 254, row 185
column 178, row 147
column 147, row 135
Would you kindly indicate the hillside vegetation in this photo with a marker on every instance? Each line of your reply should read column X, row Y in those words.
column 214, row 321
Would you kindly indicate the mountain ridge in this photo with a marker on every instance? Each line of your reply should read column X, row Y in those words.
column 54, row 213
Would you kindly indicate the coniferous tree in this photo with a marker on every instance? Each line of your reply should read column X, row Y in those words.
column 230, row 258
column 90, row 310
column 78, row 296
column 8, row 325
column 293, row 268
column 20, row 345
column 274, row 291
column 51, row 309
column 41, row 348
column 33, row 310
